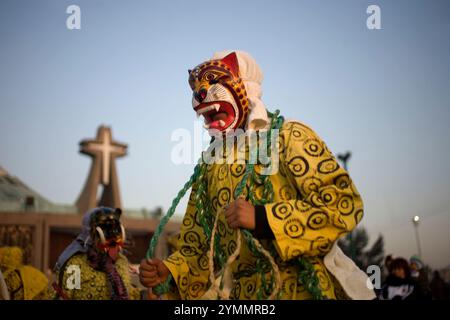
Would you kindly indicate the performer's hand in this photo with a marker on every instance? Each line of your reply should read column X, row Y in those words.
column 240, row 214
column 152, row 272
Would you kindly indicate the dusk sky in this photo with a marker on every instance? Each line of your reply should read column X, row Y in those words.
column 383, row 94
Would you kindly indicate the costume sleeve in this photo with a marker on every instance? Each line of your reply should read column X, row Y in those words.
column 189, row 264
column 327, row 204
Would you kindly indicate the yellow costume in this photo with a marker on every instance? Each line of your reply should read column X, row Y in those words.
column 22, row 281
column 315, row 203
column 93, row 283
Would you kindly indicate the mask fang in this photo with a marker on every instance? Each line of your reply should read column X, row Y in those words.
column 123, row 232
column 101, row 235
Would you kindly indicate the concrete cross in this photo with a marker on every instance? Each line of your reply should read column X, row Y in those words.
column 106, row 148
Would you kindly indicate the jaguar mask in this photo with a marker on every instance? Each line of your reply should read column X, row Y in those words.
column 219, row 94
column 107, row 231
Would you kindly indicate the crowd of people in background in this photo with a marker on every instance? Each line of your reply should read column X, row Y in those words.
column 409, row 280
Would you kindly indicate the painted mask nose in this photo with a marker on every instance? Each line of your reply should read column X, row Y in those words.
column 200, row 95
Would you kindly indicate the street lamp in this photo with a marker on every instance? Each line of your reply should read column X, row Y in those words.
column 415, row 221
column 344, row 158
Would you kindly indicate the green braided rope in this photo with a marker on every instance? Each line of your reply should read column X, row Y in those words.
column 268, row 191
column 308, row 277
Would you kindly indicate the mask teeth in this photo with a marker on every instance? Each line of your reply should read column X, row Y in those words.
column 217, row 107
column 221, row 123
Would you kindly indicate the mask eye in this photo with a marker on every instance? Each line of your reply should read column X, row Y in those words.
column 210, row 76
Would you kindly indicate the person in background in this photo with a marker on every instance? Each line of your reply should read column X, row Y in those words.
column 438, row 287
column 420, row 277
column 398, row 285
column 97, row 252
column 20, row 282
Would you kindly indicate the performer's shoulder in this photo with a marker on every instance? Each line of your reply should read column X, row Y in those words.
column 78, row 259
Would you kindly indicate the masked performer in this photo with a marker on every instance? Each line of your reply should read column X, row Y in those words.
column 92, row 267
column 284, row 221
column 19, row 281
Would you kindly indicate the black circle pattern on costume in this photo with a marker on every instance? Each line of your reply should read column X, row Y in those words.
column 192, row 238
column 203, row 262
column 345, row 205
column 191, row 201
column 342, row 181
column 224, row 196
column 187, row 251
column 195, row 289
column 182, row 283
column 249, row 288
column 316, row 200
column 223, row 172
column 237, row 170
column 322, row 244
column 298, row 166
column 287, row 193
column 259, row 190
column 302, row 206
column 293, row 228
column 311, row 184
column 328, row 166
column 297, row 134
column 231, row 247
column 188, row 222
column 214, row 203
column 245, row 267
column 236, row 292
column 289, row 286
column 313, row 147
column 328, row 196
column 221, row 229
column 317, row 220
column 282, row 210
column 289, row 252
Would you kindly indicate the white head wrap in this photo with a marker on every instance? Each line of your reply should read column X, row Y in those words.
column 252, row 76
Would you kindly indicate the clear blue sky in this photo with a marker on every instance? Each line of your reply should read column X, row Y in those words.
column 383, row 94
